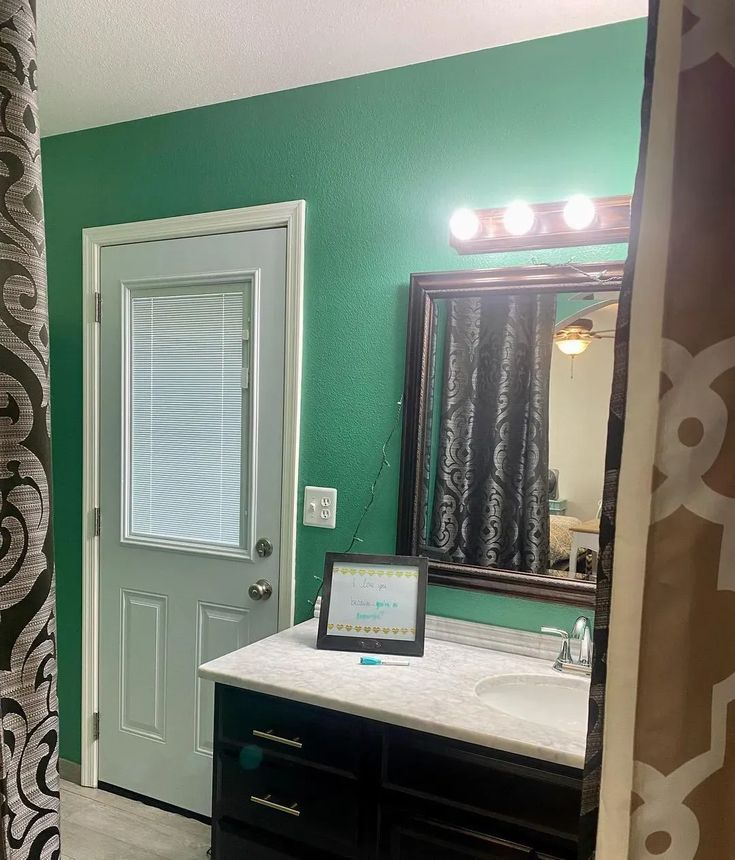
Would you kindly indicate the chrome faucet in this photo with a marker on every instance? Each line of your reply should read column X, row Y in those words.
column 577, row 659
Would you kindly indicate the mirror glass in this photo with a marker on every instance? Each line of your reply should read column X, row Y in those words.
column 515, row 431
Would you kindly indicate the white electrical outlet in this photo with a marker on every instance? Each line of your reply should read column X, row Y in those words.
column 320, row 507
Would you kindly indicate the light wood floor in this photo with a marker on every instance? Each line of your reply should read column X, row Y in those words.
column 96, row 825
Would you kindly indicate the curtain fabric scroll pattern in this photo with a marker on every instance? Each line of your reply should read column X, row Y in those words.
column 683, row 780
column 28, row 707
column 684, row 773
column 491, row 495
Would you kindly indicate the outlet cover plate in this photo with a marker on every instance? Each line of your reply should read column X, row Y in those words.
column 320, row 507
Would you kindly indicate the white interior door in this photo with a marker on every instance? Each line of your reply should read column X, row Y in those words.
column 191, row 394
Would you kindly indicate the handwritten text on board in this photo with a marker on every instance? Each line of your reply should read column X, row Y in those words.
column 373, row 600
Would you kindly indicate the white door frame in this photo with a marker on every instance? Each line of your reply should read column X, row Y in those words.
column 290, row 215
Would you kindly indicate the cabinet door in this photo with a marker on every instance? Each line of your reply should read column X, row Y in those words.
column 412, row 837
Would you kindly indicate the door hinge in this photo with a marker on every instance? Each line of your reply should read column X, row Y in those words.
column 97, row 522
column 96, row 726
column 98, row 307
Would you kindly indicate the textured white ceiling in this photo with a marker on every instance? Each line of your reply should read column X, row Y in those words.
column 105, row 61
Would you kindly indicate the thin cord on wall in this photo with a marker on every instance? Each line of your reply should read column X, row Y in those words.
column 601, row 278
column 384, row 463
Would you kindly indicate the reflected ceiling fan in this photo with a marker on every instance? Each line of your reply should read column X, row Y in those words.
column 574, row 338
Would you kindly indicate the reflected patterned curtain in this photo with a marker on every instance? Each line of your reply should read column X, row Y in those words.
column 490, row 504
column 28, row 708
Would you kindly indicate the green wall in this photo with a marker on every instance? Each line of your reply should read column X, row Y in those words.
column 382, row 160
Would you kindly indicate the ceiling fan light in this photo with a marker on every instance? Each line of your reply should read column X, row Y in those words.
column 573, row 346
column 575, row 338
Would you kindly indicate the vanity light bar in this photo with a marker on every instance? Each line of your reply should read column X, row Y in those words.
column 549, row 228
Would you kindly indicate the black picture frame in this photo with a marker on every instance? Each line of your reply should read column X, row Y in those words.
column 371, row 644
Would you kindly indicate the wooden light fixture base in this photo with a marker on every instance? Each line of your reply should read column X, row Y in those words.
column 550, row 230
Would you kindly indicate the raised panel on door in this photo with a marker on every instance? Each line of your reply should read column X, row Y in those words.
column 220, row 630
column 143, row 664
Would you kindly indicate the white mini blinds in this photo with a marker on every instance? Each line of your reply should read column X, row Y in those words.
column 185, row 415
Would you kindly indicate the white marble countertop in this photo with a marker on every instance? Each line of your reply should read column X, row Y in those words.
column 435, row 694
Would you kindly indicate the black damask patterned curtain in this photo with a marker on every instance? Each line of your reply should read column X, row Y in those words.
column 29, row 811
column 490, row 504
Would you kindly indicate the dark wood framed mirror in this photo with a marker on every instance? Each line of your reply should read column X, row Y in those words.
column 507, row 387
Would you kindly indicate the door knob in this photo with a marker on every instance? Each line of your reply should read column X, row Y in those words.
column 264, row 548
column 260, row 590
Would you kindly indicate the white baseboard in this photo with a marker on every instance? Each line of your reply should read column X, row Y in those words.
column 70, row 771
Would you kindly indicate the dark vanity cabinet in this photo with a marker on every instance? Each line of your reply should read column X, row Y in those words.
column 298, row 781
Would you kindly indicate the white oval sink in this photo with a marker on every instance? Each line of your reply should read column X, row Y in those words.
column 557, row 702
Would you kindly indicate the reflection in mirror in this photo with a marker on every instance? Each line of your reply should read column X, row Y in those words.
column 516, row 426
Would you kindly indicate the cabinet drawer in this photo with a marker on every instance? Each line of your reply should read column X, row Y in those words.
column 471, row 778
column 231, row 845
column 406, row 836
column 290, row 729
column 292, row 802
column 414, row 829
column 237, row 843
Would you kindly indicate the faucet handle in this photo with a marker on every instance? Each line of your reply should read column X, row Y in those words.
column 564, row 654
column 555, row 631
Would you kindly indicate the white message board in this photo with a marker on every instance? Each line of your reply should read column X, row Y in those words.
column 375, row 600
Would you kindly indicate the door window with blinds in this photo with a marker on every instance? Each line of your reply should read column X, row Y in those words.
column 186, row 416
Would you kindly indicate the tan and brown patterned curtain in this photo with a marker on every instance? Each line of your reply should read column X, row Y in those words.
column 29, row 811
column 668, row 758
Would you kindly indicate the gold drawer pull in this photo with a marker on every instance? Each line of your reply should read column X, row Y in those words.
column 266, row 801
column 269, row 736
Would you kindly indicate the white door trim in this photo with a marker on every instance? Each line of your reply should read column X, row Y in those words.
column 290, row 215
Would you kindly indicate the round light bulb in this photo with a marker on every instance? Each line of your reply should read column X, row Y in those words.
column 464, row 224
column 518, row 218
column 573, row 346
column 579, row 212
